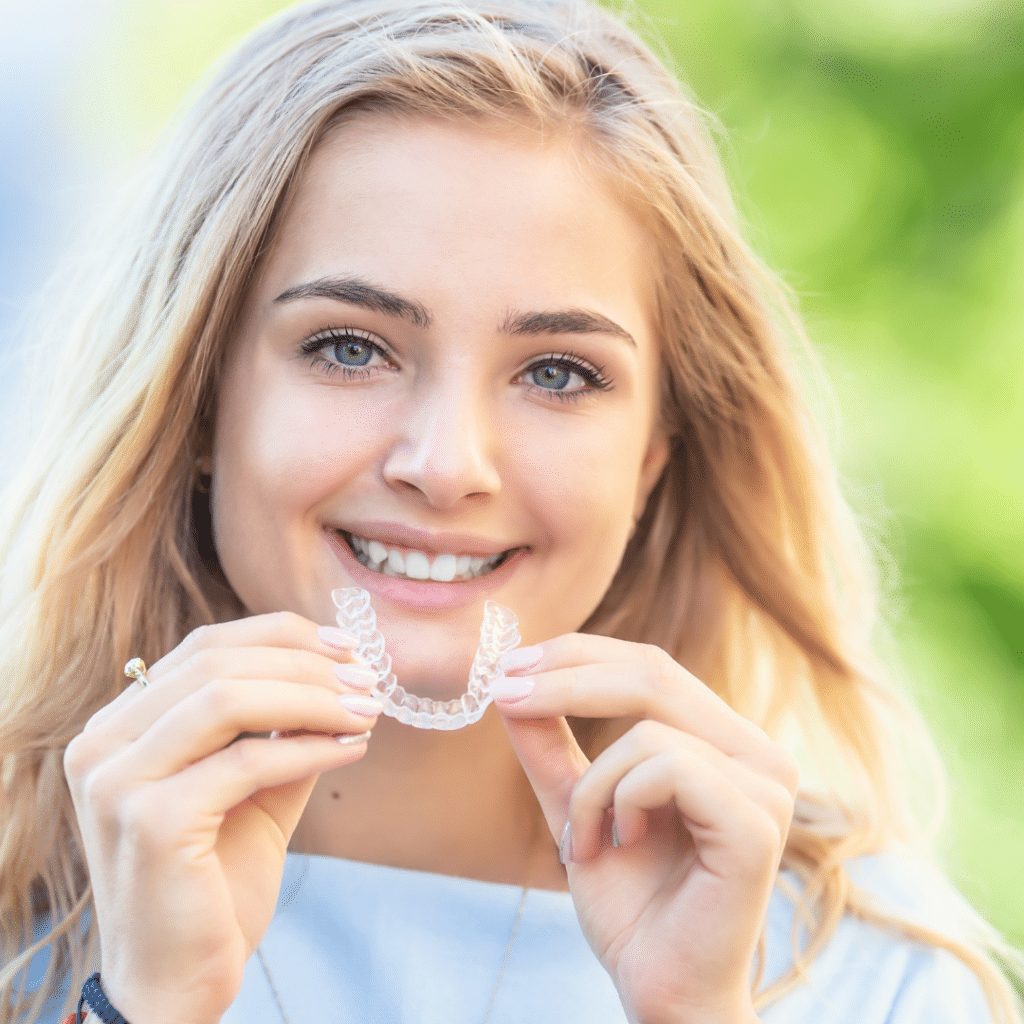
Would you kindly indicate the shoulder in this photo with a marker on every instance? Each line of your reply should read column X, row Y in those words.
column 866, row 974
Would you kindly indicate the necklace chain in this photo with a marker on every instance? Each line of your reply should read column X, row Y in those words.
column 273, row 987
column 508, row 953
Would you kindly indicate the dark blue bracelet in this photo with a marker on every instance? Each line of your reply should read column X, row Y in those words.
column 98, row 1003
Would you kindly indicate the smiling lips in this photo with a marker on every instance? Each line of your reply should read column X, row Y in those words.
column 410, row 564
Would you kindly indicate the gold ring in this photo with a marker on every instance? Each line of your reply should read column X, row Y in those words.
column 136, row 669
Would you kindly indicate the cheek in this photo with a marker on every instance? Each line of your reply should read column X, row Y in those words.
column 279, row 452
column 584, row 485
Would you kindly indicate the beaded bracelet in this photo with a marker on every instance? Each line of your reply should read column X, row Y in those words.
column 98, row 1003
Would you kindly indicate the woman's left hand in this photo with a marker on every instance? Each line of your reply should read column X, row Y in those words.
column 701, row 801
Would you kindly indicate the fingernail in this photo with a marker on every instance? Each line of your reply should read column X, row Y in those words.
column 335, row 637
column 370, row 707
column 615, row 835
column 565, row 846
column 520, row 658
column 348, row 738
column 356, row 675
column 509, row 690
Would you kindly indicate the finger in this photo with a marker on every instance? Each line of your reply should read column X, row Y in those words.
column 588, row 676
column 262, row 662
column 278, row 629
column 553, row 762
column 216, row 714
column 133, row 712
column 585, row 676
column 565, row 651
column 108, row 711
column 733, row 835
column 281, row 772
column 594, row 794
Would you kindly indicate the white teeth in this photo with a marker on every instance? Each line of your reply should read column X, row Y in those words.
column 417, row 565
column 443, row 568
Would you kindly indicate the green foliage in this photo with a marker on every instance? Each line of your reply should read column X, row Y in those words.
column 882, row 171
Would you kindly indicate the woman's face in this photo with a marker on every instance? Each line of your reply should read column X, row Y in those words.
column 448, row 350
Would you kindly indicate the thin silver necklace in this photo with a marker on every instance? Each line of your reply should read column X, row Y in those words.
column 508, row 952
column 273, row 987
column 504, row 960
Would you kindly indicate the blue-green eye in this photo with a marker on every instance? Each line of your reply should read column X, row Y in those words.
column 351, row 353
column 345, row 351
column 566, row 376
column 553, row 376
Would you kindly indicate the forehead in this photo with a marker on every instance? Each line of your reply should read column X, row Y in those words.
column 508, row 208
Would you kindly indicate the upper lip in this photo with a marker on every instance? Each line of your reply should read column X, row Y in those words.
column 427, row 541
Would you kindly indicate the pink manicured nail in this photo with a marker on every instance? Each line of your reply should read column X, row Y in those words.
column 369, row 707
column 520, row 658
column 351, row 738
column 508, row 690
column 565, row 846
column 356, row 675
column 340, row 638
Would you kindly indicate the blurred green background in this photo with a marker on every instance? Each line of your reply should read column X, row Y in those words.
column 877, row 151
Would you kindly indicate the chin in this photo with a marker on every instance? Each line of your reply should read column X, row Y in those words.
column 442, row 673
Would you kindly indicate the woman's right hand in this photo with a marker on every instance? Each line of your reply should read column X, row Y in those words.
column 185, row 827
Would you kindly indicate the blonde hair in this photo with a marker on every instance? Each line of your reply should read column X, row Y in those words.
column 746, row 566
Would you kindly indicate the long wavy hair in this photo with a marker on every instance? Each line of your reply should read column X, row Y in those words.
column 746, row 566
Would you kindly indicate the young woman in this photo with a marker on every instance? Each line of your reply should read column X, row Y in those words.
column 454, row 287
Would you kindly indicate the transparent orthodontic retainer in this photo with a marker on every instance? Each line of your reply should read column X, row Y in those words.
column 498, row 634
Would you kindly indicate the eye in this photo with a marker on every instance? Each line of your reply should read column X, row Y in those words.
column 351, row 353
column 565, row 377
column 346, row 351
column 555, row 376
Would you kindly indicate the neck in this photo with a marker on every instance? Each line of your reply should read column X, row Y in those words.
column 453, row 803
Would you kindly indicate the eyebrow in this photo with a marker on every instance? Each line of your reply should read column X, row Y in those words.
column 565, row 321
column 358, row 292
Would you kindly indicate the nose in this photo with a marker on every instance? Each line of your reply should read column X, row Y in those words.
column 445, row 444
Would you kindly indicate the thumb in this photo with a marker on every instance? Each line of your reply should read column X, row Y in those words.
column 553, row 762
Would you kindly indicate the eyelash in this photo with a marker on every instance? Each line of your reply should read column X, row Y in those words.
column 317, row 342
column 592, row 375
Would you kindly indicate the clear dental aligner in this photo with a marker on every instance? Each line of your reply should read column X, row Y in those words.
column 498, row 634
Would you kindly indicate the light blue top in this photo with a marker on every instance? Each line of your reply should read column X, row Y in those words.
column 354, row 942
